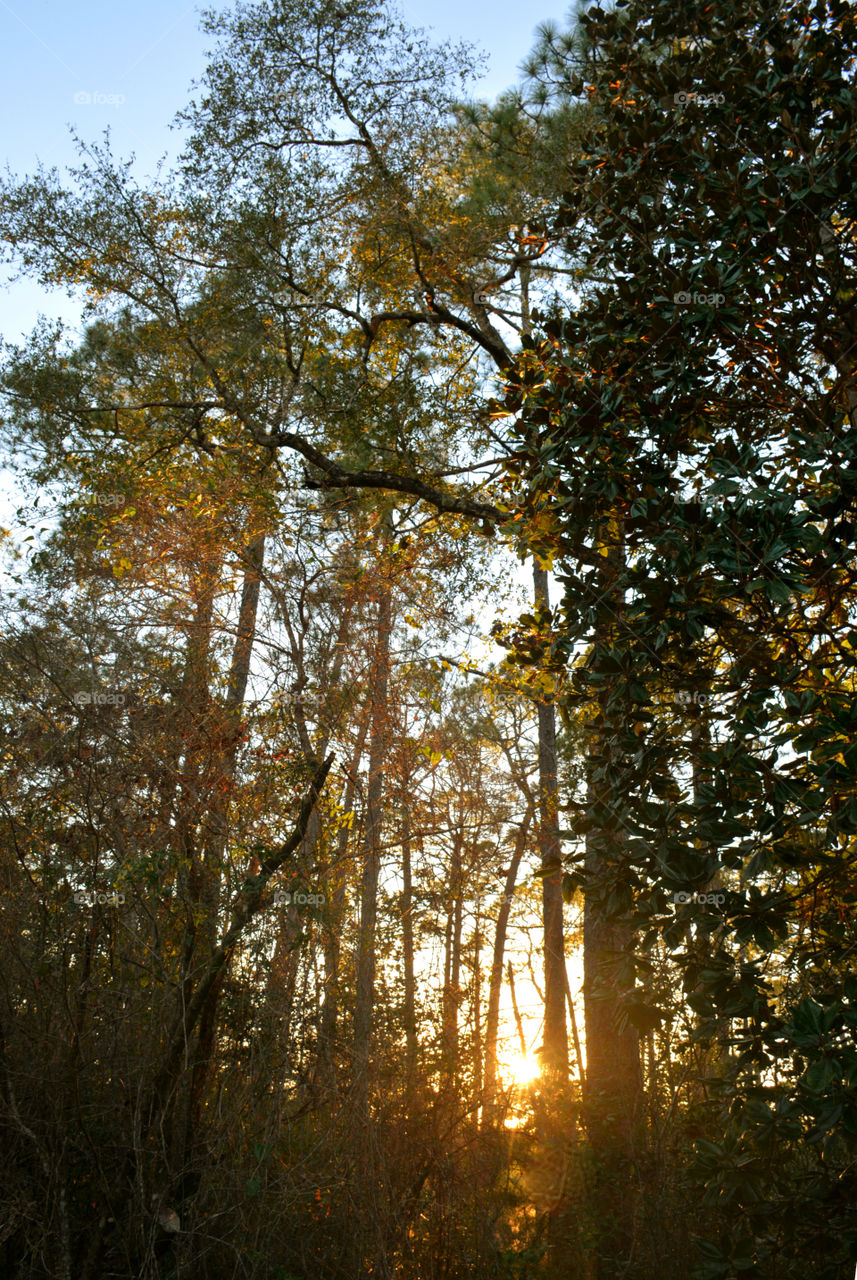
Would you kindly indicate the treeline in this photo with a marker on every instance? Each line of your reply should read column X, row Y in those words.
column 188, row 1017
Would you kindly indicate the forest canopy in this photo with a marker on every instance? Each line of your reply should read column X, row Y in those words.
column 429, row 772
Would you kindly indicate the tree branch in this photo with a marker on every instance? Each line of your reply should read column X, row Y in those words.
column 247, row 906
column 336, row 477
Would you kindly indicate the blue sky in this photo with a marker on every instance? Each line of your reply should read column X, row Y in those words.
column 129, row 66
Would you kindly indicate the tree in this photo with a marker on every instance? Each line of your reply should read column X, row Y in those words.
column 693, row 419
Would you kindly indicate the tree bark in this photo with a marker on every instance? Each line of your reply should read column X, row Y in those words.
column 365, row 994
column 452, row 964
column 613, row 1073
column 212, row 843
column 330, row 1009
column 476, row 1000
column 410, row 1017
column 555, row 1054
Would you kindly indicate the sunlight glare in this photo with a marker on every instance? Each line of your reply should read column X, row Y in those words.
column 523, row 1069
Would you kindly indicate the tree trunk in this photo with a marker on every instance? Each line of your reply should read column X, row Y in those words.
column 613, row 1073
column 495, row 985
column 572, row 1017
column 212, row 843
column 476, row 999
column 371, row 853
column 334, row 921
column 452, row 965
column 555, row 1054
column 158, row 1090
column 410, row 1017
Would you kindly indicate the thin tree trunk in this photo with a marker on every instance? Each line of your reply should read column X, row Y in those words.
column 410, row 1016
column 157, row 1093
column 213, row 842
column 495, row 984
column 572, row 1017
column 246, row 907
column 452, row 965
column 365, row 994
column 478, row 1043
column 555, row 1055
column 516, row 1011
column 335, row 915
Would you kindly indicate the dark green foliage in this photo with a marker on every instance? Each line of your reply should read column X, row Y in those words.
column 689, row 445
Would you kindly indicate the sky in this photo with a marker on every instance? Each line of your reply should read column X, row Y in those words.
column 129, row 67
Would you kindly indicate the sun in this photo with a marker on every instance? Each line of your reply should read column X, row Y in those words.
column 523, row 1068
